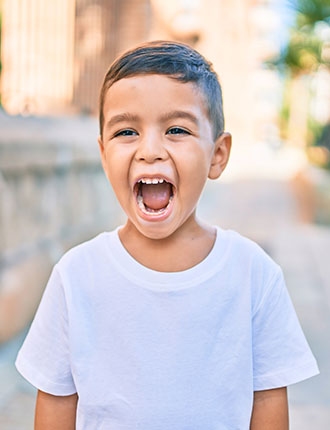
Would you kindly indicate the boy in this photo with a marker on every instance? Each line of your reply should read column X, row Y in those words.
column 165, row 323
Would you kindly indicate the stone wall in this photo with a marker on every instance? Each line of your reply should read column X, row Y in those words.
column 53, row 195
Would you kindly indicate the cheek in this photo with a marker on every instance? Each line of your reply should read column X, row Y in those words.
column 114, row 173
column 116, row 165
column 195, row 169
column 192, row 184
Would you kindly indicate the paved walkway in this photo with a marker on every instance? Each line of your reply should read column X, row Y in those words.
column 17, row 397
column 265, row 211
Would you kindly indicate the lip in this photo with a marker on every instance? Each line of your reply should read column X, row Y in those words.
column 166, row 213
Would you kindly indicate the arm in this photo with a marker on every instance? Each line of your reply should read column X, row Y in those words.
column 270, row 410
column 55, row 412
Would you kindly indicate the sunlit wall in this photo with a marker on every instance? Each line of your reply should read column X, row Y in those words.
column 55, row 54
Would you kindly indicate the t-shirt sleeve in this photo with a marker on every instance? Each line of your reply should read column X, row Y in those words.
column 281, row 354
column 44, row 358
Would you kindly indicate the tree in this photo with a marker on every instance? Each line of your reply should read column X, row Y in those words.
column 299, row 61
column 303, row 53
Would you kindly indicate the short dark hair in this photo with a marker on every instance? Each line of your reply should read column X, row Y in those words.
column 177, row 60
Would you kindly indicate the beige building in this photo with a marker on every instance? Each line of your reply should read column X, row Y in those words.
column 55, row 54
column 237, row 36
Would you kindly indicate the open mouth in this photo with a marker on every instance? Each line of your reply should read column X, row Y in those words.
column 154, row 195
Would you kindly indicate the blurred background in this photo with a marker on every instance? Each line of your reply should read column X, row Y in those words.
column 273, row 61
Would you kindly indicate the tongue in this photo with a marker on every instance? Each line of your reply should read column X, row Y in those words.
column 156, row 196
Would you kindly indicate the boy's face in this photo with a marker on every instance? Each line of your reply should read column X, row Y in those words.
column 158, row 151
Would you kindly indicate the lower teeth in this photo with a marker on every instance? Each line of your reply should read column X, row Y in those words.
column 150, row 211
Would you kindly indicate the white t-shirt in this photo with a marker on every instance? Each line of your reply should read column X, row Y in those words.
column 153, row 350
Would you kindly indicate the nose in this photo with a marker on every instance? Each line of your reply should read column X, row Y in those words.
column 151, row 148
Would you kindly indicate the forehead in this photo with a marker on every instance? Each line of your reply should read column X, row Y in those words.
column 156, row 93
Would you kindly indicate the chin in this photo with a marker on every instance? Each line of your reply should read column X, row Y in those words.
column 155, row 231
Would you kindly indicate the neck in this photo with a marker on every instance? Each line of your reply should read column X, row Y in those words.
column 183, row 249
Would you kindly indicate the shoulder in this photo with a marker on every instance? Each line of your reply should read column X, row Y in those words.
column 249, row 265
column 82, row 249
column 86, row 254
column 246, row 250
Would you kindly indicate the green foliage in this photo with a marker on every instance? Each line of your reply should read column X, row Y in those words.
column 303, row 53
column 284, row 113
column 303, row 56
column 318, row 149
column 315, row 130
column 309, row 12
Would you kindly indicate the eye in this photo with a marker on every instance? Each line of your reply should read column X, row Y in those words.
column 177, row 130
column 126, row 132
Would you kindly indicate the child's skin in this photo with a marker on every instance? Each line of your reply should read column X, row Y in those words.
column 161, row 142
column 158, row 127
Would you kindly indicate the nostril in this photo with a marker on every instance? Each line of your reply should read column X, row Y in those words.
column 148, row 159
column 149, row 151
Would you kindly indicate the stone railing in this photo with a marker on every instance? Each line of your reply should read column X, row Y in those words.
column 53, row 195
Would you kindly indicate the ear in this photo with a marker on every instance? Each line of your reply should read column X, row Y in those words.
column 220, row 156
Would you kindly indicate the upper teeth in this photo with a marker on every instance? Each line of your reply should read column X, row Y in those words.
column 151, row 181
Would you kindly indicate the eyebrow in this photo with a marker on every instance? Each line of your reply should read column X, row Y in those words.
column 166, row 117
column 121, row 118
column 180, row 114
